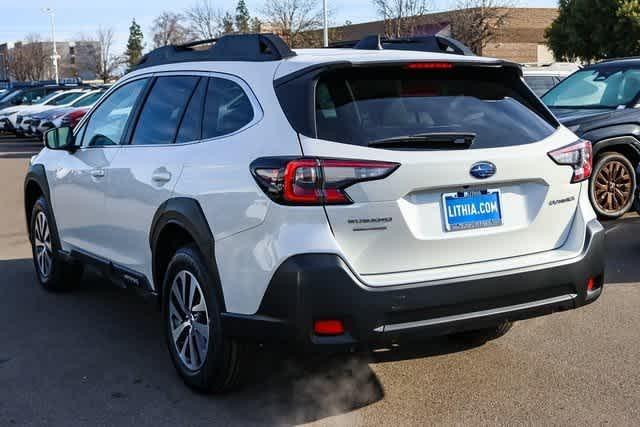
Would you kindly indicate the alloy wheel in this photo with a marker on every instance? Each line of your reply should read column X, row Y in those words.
column 189, row 320
column 42, row 243
column 613, row 186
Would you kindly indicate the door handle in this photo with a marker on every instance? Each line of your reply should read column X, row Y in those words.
column 97, row 173
column 161, row 176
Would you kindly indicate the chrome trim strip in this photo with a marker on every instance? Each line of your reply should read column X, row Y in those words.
column 475, row 314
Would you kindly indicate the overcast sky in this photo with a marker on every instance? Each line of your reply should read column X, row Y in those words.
column 76, row 17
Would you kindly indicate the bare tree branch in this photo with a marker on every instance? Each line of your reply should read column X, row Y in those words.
column 204, row 20
column 477, row 22
column 168, row 29
column 294, row 20
column 401, row 17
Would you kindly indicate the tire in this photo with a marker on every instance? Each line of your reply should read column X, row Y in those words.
column 612, row 186
column 53, row 273
column 486, row 334
column 212, row 365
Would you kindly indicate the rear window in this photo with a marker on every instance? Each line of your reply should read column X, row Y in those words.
column 488, row 107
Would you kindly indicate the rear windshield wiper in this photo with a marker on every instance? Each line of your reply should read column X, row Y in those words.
column 428, row 141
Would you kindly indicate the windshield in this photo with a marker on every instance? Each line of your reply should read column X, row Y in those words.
column 606, row 88
column 11, row 95
column 65, row 98
column 46, row 98
column 367, row 107
column 88, row 100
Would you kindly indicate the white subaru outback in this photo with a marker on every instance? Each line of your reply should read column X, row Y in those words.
column 333, row 199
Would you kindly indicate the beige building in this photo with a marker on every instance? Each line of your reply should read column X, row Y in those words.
column 520, row 40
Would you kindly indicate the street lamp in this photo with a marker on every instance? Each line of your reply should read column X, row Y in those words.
column 326, row 24
column 54, row 57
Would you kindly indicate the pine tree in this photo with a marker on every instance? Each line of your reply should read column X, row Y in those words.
column 135, row 44
column 243, row 19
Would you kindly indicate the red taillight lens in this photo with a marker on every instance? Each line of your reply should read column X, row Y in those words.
column 328, row 327
column 578, row 155
column 74, row 117
column 315, row 181
column 429, row 66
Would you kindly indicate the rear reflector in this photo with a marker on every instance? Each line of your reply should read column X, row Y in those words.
column 578, row 155
column 328, row 327
column 593, row 284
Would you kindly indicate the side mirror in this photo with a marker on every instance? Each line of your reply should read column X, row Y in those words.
column 60, row 139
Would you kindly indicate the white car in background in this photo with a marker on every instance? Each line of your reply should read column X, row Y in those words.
column 60, row 100
column 542, row 78
column 9, row 115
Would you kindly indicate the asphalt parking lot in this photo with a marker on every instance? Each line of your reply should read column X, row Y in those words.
column 97, row 357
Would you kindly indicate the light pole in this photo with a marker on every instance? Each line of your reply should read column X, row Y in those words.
column 54, row 57
column 326, row 24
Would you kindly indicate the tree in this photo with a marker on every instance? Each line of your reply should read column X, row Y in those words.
column 243, row 19
column 106, row 63
column 227, row 24
column 135, row 45
column 595, row 29
column 477, row 22
column 29, row 60
column 204, row 20
column 294, row 20
column 168, row 29
column 256, row 25
column 401, row 16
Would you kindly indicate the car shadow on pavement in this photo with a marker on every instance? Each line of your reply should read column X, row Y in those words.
column 622, row 266
column 104, row 346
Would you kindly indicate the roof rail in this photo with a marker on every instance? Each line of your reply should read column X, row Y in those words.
column 233, row 47
column 435, row 43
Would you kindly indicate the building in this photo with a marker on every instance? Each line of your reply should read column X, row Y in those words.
column 521, row 39
column 4, row 62
column 75, row 60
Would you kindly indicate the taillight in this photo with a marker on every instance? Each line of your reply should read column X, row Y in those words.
column 75, row 116
column 578, row 155
column 311, row 181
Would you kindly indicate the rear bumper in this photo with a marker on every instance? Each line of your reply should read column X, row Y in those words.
column 320, row 286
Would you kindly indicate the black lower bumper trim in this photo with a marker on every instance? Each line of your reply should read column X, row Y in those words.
column 321, row 286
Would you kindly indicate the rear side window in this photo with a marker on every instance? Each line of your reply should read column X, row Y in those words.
column 163, row 109
column 191, row 126
column 486, row 107
column 227, row 108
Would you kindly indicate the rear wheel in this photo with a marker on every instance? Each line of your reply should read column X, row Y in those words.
column 204, row 358
column 53, row 273
column 612, row 186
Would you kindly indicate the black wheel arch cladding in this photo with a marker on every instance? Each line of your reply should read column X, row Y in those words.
column 37, row 178
column 187, row 214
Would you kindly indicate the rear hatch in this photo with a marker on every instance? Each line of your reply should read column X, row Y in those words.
column 475, row 181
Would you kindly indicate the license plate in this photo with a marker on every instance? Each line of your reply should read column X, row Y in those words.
column 469, row 210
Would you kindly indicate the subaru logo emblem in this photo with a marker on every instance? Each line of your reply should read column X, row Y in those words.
column 483, row 170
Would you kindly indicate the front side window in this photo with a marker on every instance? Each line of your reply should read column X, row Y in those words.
column 227, row 108
column 601, row 88
column 108, row 121
column 163, row 110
